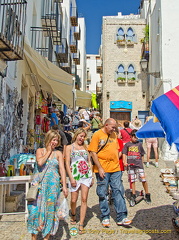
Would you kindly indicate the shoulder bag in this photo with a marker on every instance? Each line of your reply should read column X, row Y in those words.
column 126, row 131
column 33, row 190
column 92, row 161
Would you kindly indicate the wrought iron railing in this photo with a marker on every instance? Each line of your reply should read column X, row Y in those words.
column 76, row 57
column 52, row 18
column 12, row 29
column 62, row 51
column 41, row 41
column 74, row 16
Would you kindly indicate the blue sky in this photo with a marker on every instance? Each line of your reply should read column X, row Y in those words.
column 93, row 10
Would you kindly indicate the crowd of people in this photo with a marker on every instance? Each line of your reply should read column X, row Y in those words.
column 111, row 148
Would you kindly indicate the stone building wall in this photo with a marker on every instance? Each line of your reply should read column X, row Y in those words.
column 114, row 55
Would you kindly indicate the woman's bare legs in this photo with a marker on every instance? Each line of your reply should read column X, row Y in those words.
column 156, row 156
column 74, row 198
column 34, row 236
column 84, row 197
column 47, row 237
column 148, row 156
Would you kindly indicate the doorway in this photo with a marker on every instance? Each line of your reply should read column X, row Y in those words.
column 122, row 116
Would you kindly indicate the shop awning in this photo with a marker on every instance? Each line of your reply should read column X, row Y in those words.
column 83, row 99
column 50, row 77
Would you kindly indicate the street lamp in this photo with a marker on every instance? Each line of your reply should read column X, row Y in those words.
column 144, row 66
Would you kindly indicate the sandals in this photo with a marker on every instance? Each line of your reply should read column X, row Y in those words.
column 81, row 231
column 73, row 219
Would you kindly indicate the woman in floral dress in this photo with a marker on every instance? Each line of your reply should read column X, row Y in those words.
column 79, row 170
column 43, row 211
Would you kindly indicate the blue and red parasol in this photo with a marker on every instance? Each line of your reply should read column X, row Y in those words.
column 166, row 109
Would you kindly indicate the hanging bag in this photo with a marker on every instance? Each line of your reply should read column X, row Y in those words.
column 63, row 211
column 34, row 189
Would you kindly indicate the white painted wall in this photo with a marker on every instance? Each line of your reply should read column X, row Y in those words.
column 81, row 69
column 170, row 46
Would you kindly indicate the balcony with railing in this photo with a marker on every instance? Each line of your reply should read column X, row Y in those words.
column 62, row 51
column 99, row 67
column 12, row 29
column 98, row 88
column 42, row 42
column 77, row 32
column 67, row 66
column 52, row 18
column 73, row 16
column 73, row 43
column 76, row 58
column 73, row 69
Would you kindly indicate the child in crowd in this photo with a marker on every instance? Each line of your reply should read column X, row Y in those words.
column 133, row 153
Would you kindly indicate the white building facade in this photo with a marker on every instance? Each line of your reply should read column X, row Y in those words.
column 93, row 75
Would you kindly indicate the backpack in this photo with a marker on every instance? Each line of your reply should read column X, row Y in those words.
column 75, row 120
column 66, row 120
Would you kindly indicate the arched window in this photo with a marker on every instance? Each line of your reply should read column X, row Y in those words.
column 131, row 74
column 121, row 73
column 130, row 36
column 120, row 34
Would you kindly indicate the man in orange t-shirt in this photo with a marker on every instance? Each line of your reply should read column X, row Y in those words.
column 108, row 171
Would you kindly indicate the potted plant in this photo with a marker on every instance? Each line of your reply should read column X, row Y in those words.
column 121, row 79
column 131, row 80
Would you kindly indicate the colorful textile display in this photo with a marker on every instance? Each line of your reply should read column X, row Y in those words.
column 93, row 101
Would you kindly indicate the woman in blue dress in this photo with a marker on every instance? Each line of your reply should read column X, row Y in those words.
column 43, row 211
column 79, row 169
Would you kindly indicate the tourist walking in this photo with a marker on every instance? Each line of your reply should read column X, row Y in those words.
column 133, row 153
column 79, row 170
column 152, row 142
column 43, row 211
column 104, row 150
column 96, row 123
column 125, row 132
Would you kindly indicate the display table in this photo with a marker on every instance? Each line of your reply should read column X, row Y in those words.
column 15, row 180
column 23, row 158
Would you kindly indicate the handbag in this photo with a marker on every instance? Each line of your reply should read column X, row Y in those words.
column 34, row 189
column 92, row 161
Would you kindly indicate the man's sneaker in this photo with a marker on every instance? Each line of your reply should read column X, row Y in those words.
column 147, row 164
column 147, row 198
column 156, row 164
column 124, row 222
column 106, row 223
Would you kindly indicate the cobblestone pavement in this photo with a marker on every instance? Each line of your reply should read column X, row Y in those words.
column 149, row 221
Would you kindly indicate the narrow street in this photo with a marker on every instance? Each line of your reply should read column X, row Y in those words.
column 149, row 221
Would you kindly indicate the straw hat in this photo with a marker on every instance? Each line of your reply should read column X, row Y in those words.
column 137, row 123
